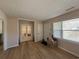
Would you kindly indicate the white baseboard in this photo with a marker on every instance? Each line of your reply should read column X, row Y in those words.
column 13, row 46
column 5, row 49
column 69, row 51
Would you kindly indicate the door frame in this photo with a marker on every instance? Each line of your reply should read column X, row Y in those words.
column 4, row 36
column 18, row 28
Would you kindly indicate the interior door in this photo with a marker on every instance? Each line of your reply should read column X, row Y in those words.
column 40, row 31
column 1, row 32
column 22, row 33
column 25, row 32
column 29, row 32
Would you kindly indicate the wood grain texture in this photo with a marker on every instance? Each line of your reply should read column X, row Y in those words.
column 31, row 50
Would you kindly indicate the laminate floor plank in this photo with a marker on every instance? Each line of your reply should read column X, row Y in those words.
column 32, row 50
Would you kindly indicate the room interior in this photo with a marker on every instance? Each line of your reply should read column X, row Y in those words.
column 39, row 29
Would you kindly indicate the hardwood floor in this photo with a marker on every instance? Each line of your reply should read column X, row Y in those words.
column 1, row 48
column 31, row 50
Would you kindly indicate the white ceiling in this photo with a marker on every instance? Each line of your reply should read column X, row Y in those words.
column 37, row 9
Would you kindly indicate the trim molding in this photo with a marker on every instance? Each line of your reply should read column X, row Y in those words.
column 13, row 46
column 69, row 51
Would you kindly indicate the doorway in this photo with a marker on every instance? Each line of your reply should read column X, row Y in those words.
column 26, row 30
column 1, row 35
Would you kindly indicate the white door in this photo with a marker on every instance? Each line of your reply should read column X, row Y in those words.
column 25, row 32
column 29, row 32
column 40, row 31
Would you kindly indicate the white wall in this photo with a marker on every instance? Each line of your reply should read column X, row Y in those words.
column 70, row 46
column 46, row 30
column 12, row 32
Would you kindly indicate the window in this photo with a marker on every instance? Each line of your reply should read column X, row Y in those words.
column 57, row 29
column 68, row 30
column 71, row 30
